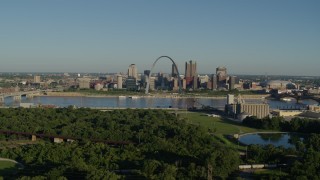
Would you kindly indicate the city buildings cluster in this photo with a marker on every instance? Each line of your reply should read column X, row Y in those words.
column 191, row 80
column 132, row 80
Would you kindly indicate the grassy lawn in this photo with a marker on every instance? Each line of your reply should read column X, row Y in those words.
column 217, row 125
column 6, row 164
column 270, row 172
column 220, row 127
column 7, row 168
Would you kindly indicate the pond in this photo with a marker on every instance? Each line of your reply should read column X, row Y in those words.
column 287, row 140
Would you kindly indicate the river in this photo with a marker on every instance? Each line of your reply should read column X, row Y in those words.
column 146, row 102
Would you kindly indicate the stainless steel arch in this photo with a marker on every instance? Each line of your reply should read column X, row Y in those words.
column 175, row 66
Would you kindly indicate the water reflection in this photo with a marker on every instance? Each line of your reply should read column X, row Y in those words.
column 270, row 137
column 287, row 140
column 142, row 102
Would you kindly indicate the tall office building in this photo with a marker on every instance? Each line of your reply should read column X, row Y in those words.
column 232, row 81
column 195, row 82
column 37, row 79
column 214, row 82
column 119, row 81
column 152, row 82
column 175, row 84
column 133, row 71
column 221, row 73
column 184, row 84
column 190, row 73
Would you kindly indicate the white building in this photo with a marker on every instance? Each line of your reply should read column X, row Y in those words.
column 133, row 71
column 119, row 82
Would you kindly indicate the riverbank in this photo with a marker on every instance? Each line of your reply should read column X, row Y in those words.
column 79, row 94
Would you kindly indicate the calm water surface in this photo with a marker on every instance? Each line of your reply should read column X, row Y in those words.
column 286, row 140
column 143, row 102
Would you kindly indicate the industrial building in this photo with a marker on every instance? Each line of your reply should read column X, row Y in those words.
column 285, row 113
column 258, row 110
column 241, row 108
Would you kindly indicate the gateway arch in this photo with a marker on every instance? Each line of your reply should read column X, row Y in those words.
column 175, row 66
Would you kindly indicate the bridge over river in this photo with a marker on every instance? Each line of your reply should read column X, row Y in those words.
column 297, row 96
column 17, row 95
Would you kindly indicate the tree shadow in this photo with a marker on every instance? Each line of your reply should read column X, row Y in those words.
column 8, row 173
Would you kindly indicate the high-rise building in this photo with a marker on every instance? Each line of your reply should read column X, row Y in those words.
column 37, row 79
column 184, row 84
column 214, row 82
column 152, row 83
column 175, row 84
column 232, row 81
column 119, row 81
column 195, row 81
column 133, row 71
column 190, row 73
column 221, row 73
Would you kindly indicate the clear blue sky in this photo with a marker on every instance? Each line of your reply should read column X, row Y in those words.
column 247, row 36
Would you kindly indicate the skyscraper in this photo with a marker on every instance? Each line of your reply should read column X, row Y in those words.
column 190, row 73
column 222, row 77
column 221, row 73
column 232, row 81
column 119, row 81
column 195, row 81
column 184, row 84
column 214, row 82
column 133, row 71
column 175, row 84
column 152, row 83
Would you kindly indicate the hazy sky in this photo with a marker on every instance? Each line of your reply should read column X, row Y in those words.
column 247, row 36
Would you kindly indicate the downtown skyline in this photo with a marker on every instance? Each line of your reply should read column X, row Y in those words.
column 247, row 37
